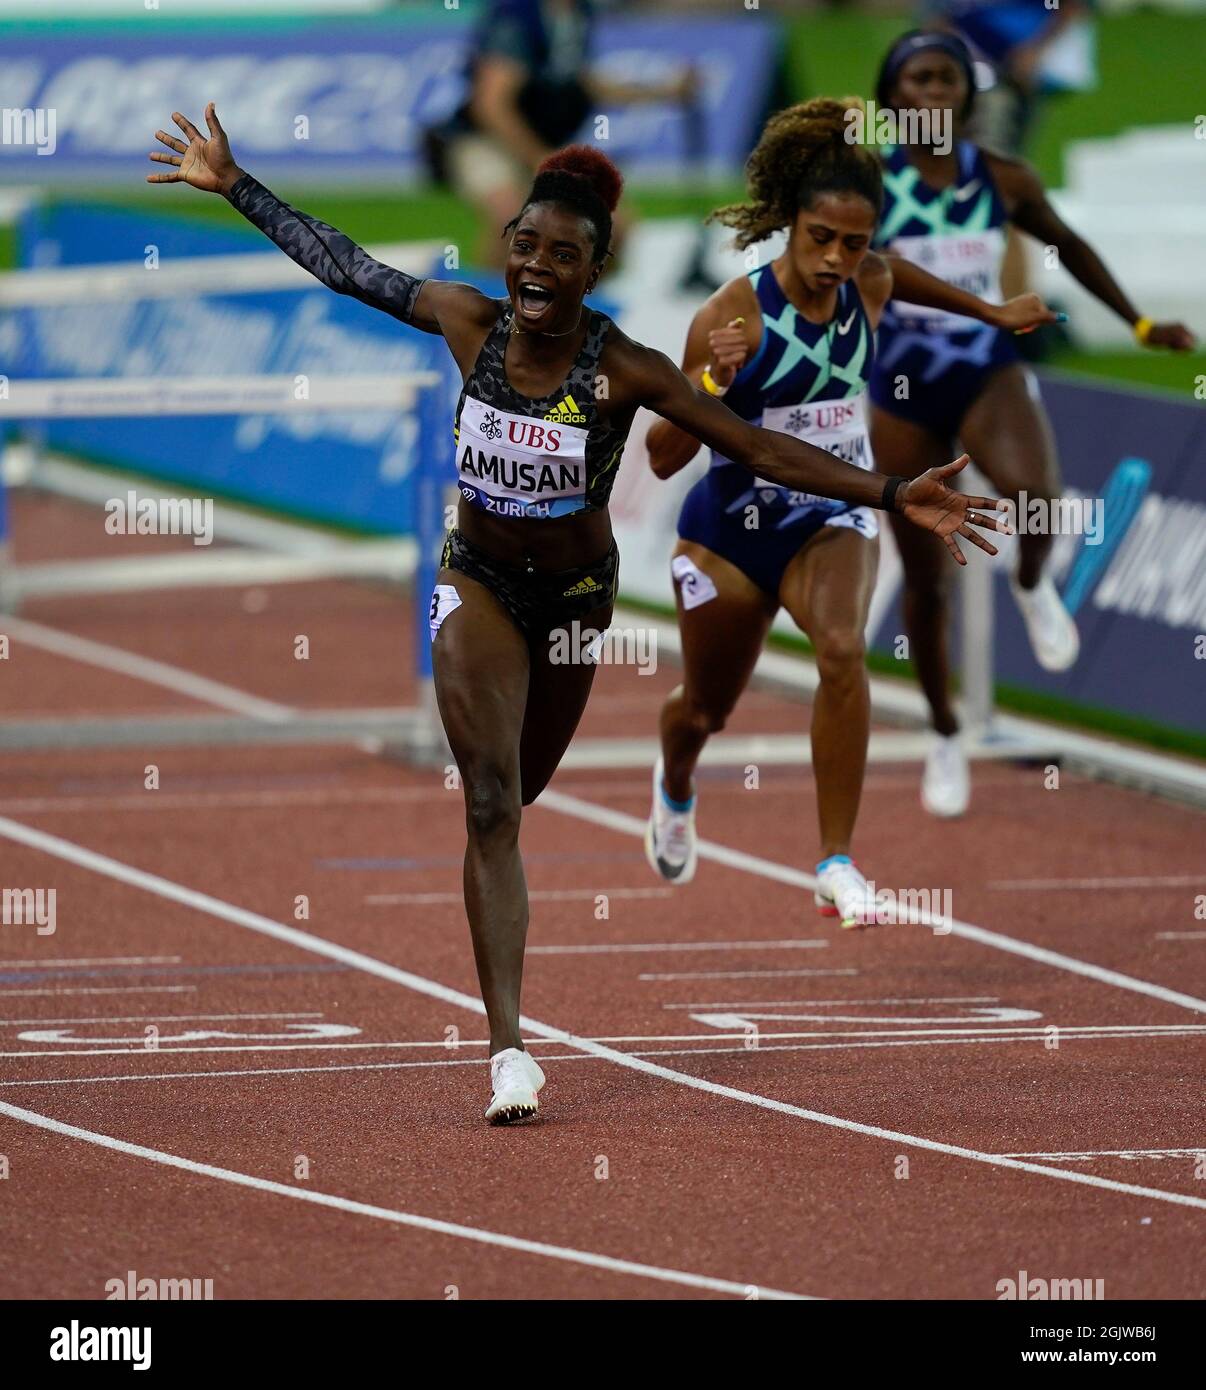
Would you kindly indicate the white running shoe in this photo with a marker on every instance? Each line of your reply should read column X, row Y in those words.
column 670, row 836
column 843, row 892
column 1049, row 625
column 516, row 1079
column 946, row 782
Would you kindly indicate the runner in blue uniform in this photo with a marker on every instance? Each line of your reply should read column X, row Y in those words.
column 789, row 347
column 940, row 377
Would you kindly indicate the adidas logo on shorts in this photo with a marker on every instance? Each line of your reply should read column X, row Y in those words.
column 589, row 585
column 567, row 413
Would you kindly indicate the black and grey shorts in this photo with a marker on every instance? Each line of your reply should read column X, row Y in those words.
column 539, row 602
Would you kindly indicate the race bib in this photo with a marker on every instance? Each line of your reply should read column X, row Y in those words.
column 838, row 427
column 970, row 261
column 518, row 465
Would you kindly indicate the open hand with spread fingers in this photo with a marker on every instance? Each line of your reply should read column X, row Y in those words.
column 927, row 502
column 206, row 164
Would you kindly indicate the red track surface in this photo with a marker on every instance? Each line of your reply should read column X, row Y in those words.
column 780, row 1187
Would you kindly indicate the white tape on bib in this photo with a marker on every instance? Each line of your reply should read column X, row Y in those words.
column 443, row 601
column 696, row 586
column 860, row 519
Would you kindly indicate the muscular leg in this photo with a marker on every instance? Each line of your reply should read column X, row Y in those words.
column 557, row 695
column 481, row 664
column 1007, row 433
column 827, row 590
column 900, row 446
column 721, row 641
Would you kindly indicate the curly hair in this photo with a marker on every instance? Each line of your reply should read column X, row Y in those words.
column 583, row 179
column 803, row 151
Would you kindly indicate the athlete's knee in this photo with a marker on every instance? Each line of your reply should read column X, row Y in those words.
column 927, row 585
column 841, row 652
column 703, row 720
column 492, row 805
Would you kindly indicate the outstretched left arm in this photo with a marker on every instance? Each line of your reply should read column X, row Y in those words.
column 917, row 286
column 1033, row 213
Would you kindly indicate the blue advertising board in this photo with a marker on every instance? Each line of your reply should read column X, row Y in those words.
column 350, row 468
column 1139, row 592
column 339, row 100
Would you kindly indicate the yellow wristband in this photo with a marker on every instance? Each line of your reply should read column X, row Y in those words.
column 709, row 385
column 1143, row 329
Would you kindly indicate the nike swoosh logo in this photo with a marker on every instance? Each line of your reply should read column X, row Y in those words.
column 846, row 326
column 963, row 194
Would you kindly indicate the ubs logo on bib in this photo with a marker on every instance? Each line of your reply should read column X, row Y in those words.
column 528, row 434
column 827, row 416
column 491, row 429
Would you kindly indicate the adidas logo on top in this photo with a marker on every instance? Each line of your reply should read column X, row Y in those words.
column 567, row 413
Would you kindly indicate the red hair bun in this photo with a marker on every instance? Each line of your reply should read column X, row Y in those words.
column 590, row 164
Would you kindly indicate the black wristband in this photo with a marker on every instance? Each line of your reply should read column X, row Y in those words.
column 888, row 500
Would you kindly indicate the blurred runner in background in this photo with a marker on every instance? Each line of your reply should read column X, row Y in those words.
column 1024, row 50
column 529, row 92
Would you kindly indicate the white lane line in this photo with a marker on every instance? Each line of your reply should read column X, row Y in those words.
column 743, row 1048
column 311, row 796
column 836, row 1003
column 616, row 947
column 401, row 1218
column 547, row 895
column 53, row 963
column 1055, row 885
column 1023, row 1033
column 796, row 878
column 744, row 974
column 215, row 907
column 218, row 800
column 1116, row 1153
column 120, row 989
column 67, row 644
column 1181, row 936
column 146, row 1018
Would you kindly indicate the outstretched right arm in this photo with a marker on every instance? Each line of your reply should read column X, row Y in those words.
column 327, row 254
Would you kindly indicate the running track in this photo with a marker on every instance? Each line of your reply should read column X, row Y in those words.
column 741, row 1098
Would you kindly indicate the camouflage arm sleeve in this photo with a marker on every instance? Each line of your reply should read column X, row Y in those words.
column 335, row 259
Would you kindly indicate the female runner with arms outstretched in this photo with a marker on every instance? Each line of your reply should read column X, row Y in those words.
column 551, row 387
column 940, row 377
column 790, row 347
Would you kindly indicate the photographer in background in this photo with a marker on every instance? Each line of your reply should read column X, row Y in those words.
column 529, row 92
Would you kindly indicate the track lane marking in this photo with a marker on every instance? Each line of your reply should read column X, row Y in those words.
column 115, row 989
column 743, row 1049
column 620, row 947
column 621, row 821
column 401, row 1218
column 175, row 678
column 56, row 962
column 1020, row 1033
column 1055, row 885
column 744, row 974
column 204, row 902
column 146, row 1018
